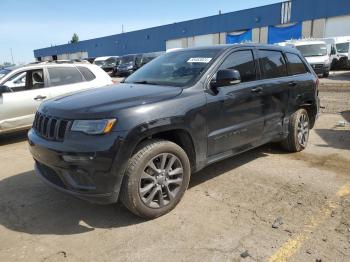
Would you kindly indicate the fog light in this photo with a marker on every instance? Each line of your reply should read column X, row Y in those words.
column 69, row 158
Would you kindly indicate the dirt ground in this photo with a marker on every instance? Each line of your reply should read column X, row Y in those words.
column 264, row 205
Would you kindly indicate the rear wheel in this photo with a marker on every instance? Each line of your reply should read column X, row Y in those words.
column 299, row 128
column 156, row 178
column 326, row 74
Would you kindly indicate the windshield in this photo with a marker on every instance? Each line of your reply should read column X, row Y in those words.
column 313, row 50
column 127, row 59
column 343, row 47
column 4, row 71
column 175, row 68
column 99, row 62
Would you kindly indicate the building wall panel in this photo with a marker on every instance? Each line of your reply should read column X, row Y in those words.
column 337, row 26
column 155, row 39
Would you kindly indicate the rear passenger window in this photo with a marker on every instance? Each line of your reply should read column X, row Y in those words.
column 243, row 62
column 272, row 64
column 64, row 76
column 88, row 75
column 295, row 65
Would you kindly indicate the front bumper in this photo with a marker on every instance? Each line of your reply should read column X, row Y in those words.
column 320, row 69
column 80, row 168
column 51, row 178
column 121, row 72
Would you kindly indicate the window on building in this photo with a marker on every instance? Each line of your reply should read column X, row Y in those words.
column 64, row 76
column 295, row 65
column 243, row 62
column 286, row 12
column 272, row 64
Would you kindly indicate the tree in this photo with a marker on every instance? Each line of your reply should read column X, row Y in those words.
column 75, row 38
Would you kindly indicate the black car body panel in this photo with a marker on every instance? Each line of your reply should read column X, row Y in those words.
column 214, row 124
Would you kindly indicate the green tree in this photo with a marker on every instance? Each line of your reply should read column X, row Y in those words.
column 75, row 38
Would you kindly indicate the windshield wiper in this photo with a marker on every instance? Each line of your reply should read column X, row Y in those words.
column 144, row 82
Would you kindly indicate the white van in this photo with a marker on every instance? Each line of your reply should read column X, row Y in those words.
column 341, row 48
column 316, row 53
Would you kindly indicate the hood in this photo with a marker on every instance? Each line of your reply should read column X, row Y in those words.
column 344, row 54
column 105, row 102
column 317, row 59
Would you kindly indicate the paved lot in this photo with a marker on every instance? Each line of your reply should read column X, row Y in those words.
column 229, row 208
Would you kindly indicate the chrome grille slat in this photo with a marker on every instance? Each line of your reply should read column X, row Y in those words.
column 50, row 127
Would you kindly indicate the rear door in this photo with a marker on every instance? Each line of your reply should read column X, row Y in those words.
column 64, row 80
column 302, row 86
column 17, row 108
column 275, row 84
column 236, row 117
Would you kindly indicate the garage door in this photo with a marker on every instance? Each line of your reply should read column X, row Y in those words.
column 203, row 40
column 338, row 26
column 171, row 44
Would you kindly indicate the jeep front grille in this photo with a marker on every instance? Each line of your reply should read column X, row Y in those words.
column 50, row 128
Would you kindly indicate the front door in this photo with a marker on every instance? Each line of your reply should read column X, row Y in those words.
column 236, row 121
column 17, row 108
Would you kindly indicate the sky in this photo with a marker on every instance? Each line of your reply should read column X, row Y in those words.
column 26, row 25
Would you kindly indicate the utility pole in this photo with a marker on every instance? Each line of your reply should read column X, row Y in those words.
column 122, row 28
column 12, row 56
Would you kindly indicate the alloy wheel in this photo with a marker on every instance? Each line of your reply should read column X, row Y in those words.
column 303, row 130
column 161, row 180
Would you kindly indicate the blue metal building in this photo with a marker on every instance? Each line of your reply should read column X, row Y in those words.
column 266, row 24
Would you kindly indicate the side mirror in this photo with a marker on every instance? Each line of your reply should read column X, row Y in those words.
column 226, row 77
column 5, row 89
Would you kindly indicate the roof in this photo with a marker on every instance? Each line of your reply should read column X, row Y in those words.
column 305, row 42
column 102, row 58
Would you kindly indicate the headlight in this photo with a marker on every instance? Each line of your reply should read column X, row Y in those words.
column 93, row 127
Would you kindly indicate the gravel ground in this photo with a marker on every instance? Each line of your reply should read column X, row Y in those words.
column 263, row 205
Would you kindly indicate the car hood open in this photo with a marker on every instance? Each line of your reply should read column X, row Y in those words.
column 106, row 101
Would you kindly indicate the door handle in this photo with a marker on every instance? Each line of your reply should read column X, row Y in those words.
column 292, row 83
column 39, row 98
column 257, row 90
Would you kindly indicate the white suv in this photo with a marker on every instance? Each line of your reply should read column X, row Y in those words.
column 23, row 89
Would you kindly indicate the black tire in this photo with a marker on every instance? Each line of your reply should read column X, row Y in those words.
column 139, row 177
column 294, row 141
column 325, row 75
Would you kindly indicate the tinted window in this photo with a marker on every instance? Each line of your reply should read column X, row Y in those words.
column 272, row 64
column 64, row 76
column 88, row 75
column 295, row 65
column 243, row 62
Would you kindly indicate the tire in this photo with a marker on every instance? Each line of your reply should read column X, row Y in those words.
column 325, row 75
column 298, row 128
column 156, row 179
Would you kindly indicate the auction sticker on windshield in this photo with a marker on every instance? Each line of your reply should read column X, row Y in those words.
column 204, row 60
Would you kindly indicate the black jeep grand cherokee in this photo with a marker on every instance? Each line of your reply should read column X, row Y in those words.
column 141, row 140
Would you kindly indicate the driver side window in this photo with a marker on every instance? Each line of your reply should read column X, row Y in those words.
column 27, row 80
column 243, row 62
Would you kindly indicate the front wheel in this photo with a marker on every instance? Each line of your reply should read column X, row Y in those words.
column 299, row 128
column 326, row 74
column 156, row 178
